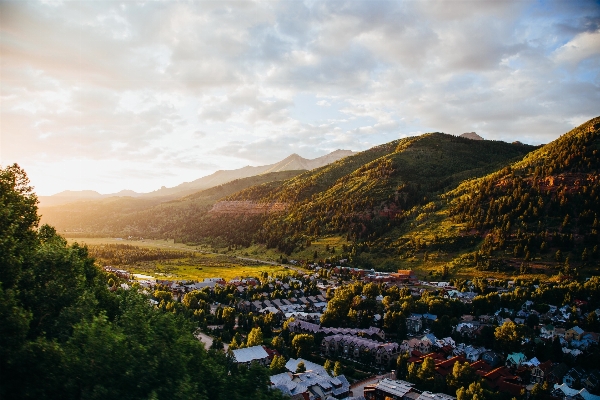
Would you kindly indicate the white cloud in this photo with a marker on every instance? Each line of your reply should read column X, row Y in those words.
column 583, row 46
column 179, row 89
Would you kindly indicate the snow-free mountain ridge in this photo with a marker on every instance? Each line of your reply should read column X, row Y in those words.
column 290, row 163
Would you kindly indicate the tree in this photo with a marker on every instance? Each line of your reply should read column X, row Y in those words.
column 302, row 344
column 228, row 317
column 278, row 343
column 540, row 391
column 300, row 368
column 255, row 338
column 426, row 373
column 412, row 373
column 328, row 366
column 508, row 336
column 337, row 368
column 473, row 392
column 277, row 365
column 63, row 334
column 402, row 365
column 461, row 376
column 18, row 219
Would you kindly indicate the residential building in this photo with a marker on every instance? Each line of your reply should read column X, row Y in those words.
column 515, row 360
column 575, row 333
column 389, row 389
column 248, row 355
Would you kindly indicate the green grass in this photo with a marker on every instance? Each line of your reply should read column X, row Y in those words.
column 198, row 266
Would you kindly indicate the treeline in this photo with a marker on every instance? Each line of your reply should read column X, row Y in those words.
column 65, row 335
column 125, row 254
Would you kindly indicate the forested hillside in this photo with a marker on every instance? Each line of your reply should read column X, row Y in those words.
column 536, row 215
column 65, row 335
column 368, row 194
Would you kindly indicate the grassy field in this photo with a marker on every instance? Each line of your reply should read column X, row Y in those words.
column 197, row 266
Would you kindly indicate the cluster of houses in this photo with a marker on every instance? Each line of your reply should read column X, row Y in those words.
column 360, row 349
column 121, row 273
column 364, row 345
column 314, row 383
column 514, row 374
column 308, row 308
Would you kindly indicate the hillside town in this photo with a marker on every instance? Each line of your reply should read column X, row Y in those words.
column 397, row 337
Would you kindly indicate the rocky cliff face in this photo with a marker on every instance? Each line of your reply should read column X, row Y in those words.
column 471, row 135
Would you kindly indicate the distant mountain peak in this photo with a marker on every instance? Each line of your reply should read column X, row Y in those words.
column 471, row 135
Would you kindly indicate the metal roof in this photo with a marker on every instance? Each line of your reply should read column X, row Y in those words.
column 249, row 354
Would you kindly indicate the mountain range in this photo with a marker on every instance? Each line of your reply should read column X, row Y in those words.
column 435, row 203
column 293, row 162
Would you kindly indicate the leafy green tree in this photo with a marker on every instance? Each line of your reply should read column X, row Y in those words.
column 337, row 368
column 278, row 343
column 402, row 365
column 461, row 376
column 255, row 337
column 300, row 368
column 18, row 220
column 328, row 366
column 63, row 334
column 277, row 364
column 508, row 336
column 473, row 392
column 426, row 373
column 302, row 344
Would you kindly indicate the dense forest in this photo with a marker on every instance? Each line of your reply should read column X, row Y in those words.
column 538, row 214
column 64, row 334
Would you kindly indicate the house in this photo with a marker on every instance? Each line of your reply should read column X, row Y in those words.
column 405, row 276
column 414, row 324
column 444, row 367
column 515, row 360
column 388, row 389
column 422, row 346
column 472, row 354
column 592, row 381
column 502, row 380
column 312, row 384
column 557, row 373
column 527, row 305
column 360, row 349
column 566, row 393
column 292, row 365
column 492, row 358
column 539, row 373
column 547, row 331
column 251, row 354
column 575, row 377
column 435, row 396
column 575, row 333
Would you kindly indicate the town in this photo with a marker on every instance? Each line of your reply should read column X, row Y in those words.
column 334, row 332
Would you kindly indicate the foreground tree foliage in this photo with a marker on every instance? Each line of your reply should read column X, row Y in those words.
column 64, row 335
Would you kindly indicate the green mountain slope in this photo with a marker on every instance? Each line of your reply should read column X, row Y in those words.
column 537, row 215
column 127, row 216
column 368, row 194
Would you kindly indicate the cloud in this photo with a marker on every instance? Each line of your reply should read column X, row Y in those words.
column 178, row 89
column 584, row 46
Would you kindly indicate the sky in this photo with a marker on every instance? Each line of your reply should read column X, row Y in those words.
column 112, row 95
